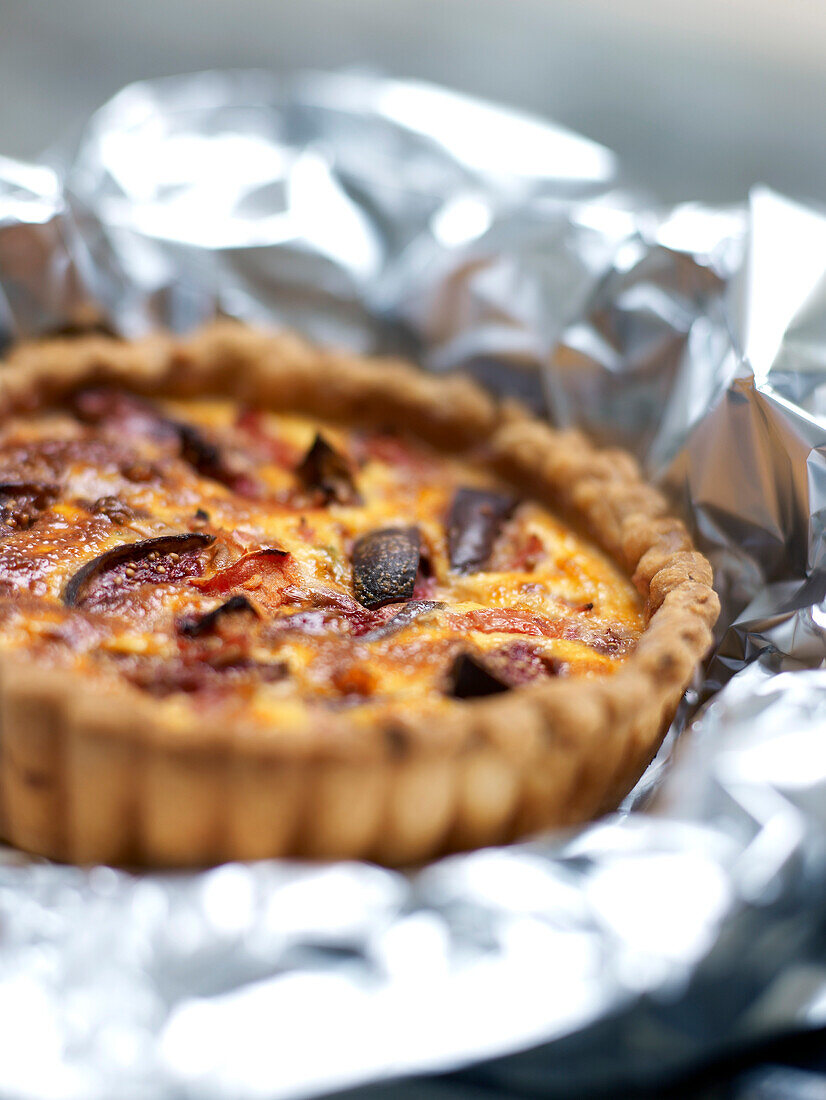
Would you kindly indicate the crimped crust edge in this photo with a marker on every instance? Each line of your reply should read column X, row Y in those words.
column 78, row 784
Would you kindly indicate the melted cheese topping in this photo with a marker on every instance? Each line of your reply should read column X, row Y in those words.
column 75, row 485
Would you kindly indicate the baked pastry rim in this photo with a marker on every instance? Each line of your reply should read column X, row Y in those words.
column 607, row 729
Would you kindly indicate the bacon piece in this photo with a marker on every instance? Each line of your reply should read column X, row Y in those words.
column 337, row 613
column 328, row 611
column 606, row 639
column 520, row 662
column 385, row 564
column 474, row 520
column 133, row 415
column 77, row 586
column 329, row 598
column 407, row 615
column 526, row 554
column 278, row 450
column 201, row 676
column 404, row 454
column 270, row 566
column 315, row 622
column 323, row 470
column 137, row 415
column 425, row 587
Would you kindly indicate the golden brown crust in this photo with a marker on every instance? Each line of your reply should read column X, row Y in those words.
column 79, row 781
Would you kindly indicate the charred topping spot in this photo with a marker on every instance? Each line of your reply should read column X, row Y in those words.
column 195, row 626
column 114, row 509
column 201, row 515
column 470, row 679
column 605, row 638
column 78, row 584
column 408, row 614
column 385, row 564
column 324, row 470
column 474, row 520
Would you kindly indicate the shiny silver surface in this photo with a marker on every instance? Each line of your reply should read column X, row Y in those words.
column 375, row 213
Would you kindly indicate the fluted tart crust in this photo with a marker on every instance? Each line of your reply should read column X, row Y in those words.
column 259, row 599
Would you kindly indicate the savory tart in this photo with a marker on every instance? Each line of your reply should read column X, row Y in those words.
column 258, row 599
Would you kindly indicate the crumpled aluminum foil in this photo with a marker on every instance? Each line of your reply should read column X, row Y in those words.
column 380, row 213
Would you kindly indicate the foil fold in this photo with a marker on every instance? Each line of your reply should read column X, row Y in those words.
column 391, row 214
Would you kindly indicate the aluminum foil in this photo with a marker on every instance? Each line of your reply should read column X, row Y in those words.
column 380, row 213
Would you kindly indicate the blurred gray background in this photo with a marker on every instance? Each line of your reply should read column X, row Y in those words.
column 700, row 99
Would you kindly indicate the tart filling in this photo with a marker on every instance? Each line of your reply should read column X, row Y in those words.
column 243, row 614
column 226, row 559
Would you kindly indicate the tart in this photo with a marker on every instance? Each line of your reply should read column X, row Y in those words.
column 259, row 599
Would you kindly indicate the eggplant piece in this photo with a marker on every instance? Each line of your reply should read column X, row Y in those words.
column 475, row 519
column 195, row 626
column 385, row 564
column 77, row 585
column 470, row 679
column 326, row 471
column 408, row 614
